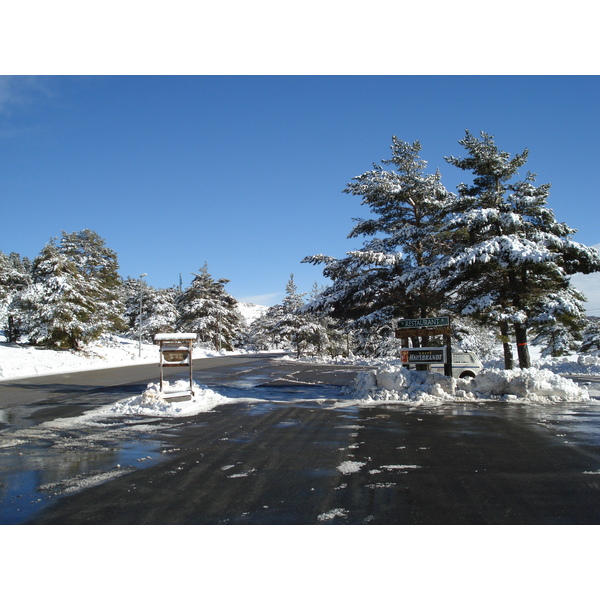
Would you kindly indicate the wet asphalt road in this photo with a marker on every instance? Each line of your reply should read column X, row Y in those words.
column 294, row 452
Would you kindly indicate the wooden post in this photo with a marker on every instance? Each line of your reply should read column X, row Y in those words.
column 191, row 346
column 448, row 363
column 161, row 368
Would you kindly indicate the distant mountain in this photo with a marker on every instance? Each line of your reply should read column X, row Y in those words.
column 251, row 312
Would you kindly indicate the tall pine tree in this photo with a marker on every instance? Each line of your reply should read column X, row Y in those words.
column 393, row 275
column 97, row 263
column 288, row 323
column 74, row 295
column 59, row 302
column 159, row 310
column 510, row 259
column 207, row 309
column 15, row 278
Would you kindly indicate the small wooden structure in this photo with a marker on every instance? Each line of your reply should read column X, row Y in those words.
column 176, row 351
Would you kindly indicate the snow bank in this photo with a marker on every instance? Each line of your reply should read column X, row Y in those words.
column 531, row 384
column 25, row 361
column 397, row 384
column 574, row 364
column 18, row 361
column 151, row 402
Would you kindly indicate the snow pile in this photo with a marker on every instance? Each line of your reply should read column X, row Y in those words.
column 152, row 403
column 350, row 466
column 531, row 384
column 397, row 384
column 333, row 513
column 574, row 364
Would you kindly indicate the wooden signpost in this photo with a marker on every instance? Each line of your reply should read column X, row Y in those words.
column 176, row 351
column 426, row 327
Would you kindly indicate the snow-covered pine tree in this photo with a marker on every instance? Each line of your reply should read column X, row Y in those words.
column 162, row 312
column 559, row 321
column 207, row 309
column 98, row 263
column 74, row 295
column 392, row 275
column 591, row 337
column 129, row 294
column 323, row 332
column 468, row 224
column 262, row 334
column 289, row 323
column 510, row 257
column 15, row 277
column 159, row 310
column 60, row 302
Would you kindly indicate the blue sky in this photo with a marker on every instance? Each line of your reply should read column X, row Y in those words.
column 246, row 172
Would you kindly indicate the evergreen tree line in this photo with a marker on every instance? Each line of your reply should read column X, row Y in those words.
column 492, row 252
column 72, row 294
column 290, row 326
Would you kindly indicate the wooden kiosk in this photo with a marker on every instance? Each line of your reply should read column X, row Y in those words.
column 176, row 351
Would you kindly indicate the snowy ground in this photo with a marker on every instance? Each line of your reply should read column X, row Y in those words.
column 18, row 361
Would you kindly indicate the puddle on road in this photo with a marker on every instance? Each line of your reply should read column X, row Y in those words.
column 36, row 473
column 41, row 462
column 246, row 383
column 290, row 423
column 263, row 399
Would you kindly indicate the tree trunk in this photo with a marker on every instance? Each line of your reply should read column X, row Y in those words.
column 508, row 355
column 12, row 332
column 522, row 347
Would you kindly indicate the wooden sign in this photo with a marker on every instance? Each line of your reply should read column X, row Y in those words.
column 423, row 356
column 426, row 327
column 407, row 328
column 176, row 351
column 420, row 323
